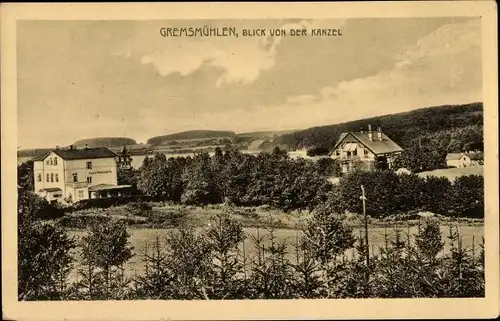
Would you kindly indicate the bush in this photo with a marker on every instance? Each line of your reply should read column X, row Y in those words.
column 467, row 195
column 138, row 208
column 104, row 250
column 382, row 189
column 44, row 258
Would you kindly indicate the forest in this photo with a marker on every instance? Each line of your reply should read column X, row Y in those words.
column 454, row 128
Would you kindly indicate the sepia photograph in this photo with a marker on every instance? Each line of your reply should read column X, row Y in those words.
column 251, row 158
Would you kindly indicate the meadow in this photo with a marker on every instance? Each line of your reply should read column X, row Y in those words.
column 141, row 238
column 453, row 173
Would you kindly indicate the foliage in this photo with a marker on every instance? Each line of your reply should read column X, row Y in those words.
column 25, row 176
column 44, row 258
column 212, row 263
column 127, row 176
column 104, row 250
column 418, row 159
column 317, row 151
column 468, row 196
column 452, row 126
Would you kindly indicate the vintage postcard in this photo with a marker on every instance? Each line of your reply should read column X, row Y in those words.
column 249, row 161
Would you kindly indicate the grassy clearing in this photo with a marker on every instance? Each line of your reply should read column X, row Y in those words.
column 256, row 220
column 453, row 173
column 142, row 237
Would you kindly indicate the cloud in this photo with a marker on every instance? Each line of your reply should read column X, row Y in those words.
column 302, row 99
column 443, row 67
column 241, row 60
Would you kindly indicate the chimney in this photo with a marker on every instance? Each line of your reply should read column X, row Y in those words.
column 71, row 147
column 370, row 134
column 379, row 134
column 57, row 147
column 361, row 130
column 85, row 147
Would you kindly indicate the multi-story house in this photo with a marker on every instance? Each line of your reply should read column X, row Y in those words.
column 71, row 175
column 368, row 149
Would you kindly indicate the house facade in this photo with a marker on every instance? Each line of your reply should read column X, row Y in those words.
column 472, row 159
column 467, row 159
column 71, row 175
column 370, row 149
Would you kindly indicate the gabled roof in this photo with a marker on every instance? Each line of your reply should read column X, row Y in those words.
column 80, row 153
column 453, row 156
column 376, row 146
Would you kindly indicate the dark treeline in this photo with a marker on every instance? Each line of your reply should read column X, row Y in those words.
column 275, row 180
column 267, row 179
column 453, row 128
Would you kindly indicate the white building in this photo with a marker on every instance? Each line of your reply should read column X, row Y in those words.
column 71, row 175
column 365, row 148
column 467, row 159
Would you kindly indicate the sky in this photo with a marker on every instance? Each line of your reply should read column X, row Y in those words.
column 83, row 79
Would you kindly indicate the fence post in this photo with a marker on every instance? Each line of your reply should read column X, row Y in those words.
column 363, row 198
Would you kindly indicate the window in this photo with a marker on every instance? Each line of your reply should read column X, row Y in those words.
column 48, row 178
column 47, row 161
column 39, row 179
column 89, row 180
column 52, row 178
column 80, row 194
column 337, row 152
column 75, row 177
column 366, row 152
column 89, row 165
column 55, row 161
column 354, row 152
column 51, row 162
column 57, row 178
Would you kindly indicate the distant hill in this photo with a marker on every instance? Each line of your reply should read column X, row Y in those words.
column 109, row 142
column 448, row 122
column 264, row 134
column 190, row 135
column 31, row 153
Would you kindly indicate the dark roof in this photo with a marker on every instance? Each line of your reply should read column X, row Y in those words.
column 475, row 156
column 80, row 153
column 386, row 145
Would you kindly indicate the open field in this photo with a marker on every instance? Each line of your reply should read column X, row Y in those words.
column 453, row 173
column 287, row 228
column 142, row 236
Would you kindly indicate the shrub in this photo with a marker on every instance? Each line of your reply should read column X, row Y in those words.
column 138, row 208
column 44, row 258
column 467, row 195
column 104, row 250
column 436, row 196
